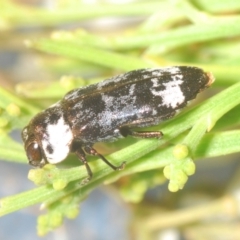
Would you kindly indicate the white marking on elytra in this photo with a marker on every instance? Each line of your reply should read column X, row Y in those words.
column 154, row 112
column 132, row 89
column 116, row 109
column 174, row 70
column 59, row 136
column 157, row 72
column 172, row 95
column 156, row 82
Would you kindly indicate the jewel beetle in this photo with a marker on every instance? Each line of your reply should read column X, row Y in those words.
column 109, row 110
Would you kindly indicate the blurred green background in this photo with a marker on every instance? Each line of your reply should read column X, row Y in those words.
column 50, row 47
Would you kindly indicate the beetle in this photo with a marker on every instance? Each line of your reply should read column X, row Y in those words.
column 110, row 110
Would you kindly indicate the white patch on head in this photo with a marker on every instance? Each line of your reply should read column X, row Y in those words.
column 58, row 139
column 172, row 95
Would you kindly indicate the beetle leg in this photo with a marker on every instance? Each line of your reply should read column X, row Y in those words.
column 125, row 131
column 81, row 155
column 93, row 152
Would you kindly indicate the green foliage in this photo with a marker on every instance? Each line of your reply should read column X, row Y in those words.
column 188, row 35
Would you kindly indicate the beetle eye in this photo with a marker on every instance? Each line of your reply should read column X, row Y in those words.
column 34, row 154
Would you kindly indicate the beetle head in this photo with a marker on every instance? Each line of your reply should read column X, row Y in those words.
column 47, row 138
